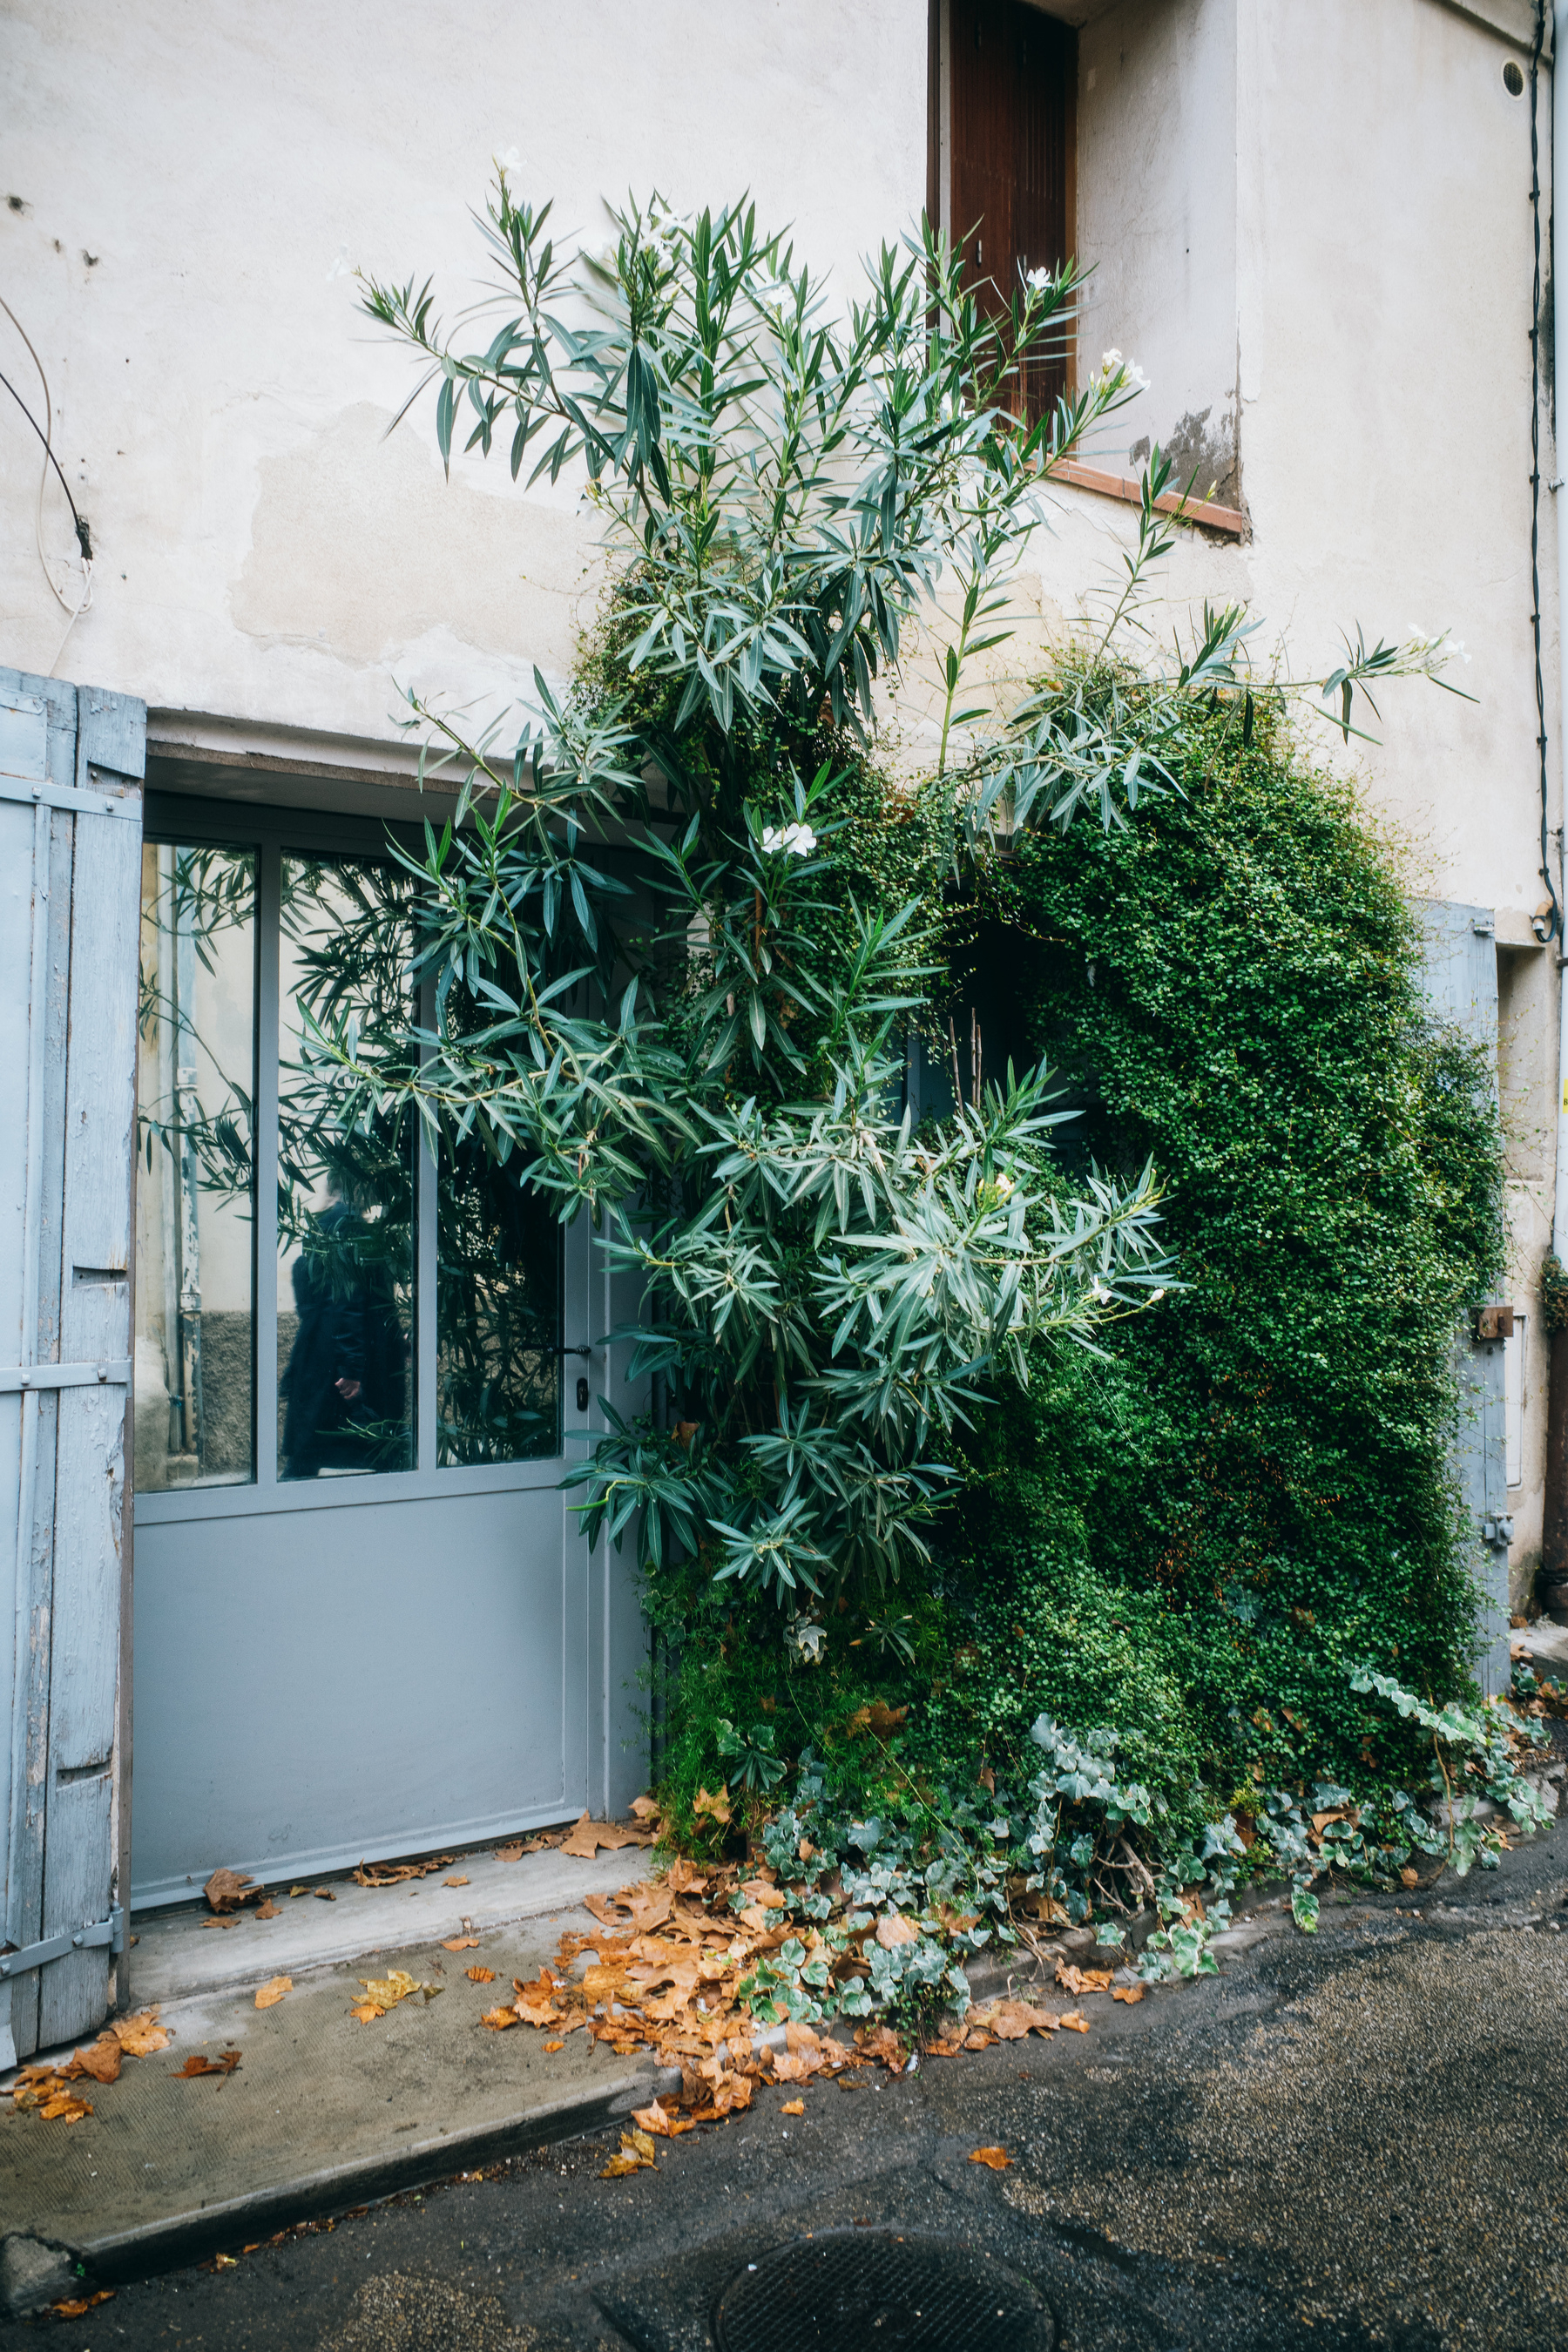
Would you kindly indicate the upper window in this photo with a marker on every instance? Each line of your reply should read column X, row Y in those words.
column 1005, row 106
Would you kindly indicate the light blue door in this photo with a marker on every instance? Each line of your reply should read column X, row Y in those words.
column 70, row 811
column 365, row 1624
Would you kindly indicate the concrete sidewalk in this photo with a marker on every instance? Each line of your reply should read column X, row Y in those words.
column 322, row 2111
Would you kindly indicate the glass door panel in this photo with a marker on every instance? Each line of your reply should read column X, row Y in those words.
column 195, row 1081
column 345, row 1196
column 499, row 1285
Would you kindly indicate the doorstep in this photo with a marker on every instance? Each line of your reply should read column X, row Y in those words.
column 322, row 2111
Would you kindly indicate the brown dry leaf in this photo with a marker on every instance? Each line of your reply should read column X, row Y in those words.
column 454, row 1881
column 660, row 2119
column 555, row 2045
column 460, row 1943
column 226, row 1890
column 877, row 1717
column 481, row 1975
column 102, row 2062
column 645, row 1809
column 996, row 2158
column 975, row 2040
column 392, row 1873
column 324, row 1894
column 1409, row 1878
column 685, row 1878
column 298, row 1890
column 140, row 2035
column 1079, row 1980
column 1128, row 1993
column 712, row 1802
column 269, row 1910
column 881, row 2043
column 498, row 2020
column 385, row 1992
column 619, row 2167
column 1076, row 2018
column 269, row 1994
column 224, row 2064
column 650, row 1906
column 587, row 1836
column 366, row 2012
column 64, row 2107
column 230, row 1921
column 77, row 2307
column 793, row 2107
column 515, row 1848
column 1011, row 2021
column 894, row 1929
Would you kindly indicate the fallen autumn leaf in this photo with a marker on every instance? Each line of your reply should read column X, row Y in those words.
column 996, row 2158
column 268, row 1995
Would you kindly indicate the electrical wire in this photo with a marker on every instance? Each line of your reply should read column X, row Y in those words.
column 1555, row 920
column 84, row 540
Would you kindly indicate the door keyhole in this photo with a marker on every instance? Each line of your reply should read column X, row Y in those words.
column 582, row 1393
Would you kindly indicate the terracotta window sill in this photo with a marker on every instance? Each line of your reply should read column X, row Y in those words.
column 1201, row 511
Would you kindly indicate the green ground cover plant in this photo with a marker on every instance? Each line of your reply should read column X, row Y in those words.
column 1029, row 1479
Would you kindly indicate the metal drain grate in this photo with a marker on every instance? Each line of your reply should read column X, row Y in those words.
column 867, row 2290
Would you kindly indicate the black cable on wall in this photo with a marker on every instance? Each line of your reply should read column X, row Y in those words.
column 1550, row 926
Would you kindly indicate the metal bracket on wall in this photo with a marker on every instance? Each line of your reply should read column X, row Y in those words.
column 110, row 1932
column 1497, row 1529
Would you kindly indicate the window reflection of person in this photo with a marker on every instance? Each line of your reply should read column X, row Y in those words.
column 346, row 1380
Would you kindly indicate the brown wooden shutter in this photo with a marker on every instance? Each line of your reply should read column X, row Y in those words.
column 1013, row 88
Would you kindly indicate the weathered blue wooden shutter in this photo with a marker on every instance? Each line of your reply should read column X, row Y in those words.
column 1461, row 982
column 71, row 760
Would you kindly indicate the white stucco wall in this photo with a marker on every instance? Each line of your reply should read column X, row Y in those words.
column 261, row 551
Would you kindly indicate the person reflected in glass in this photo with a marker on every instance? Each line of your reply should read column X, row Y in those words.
column 345, row 1386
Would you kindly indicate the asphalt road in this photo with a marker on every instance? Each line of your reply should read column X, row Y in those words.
column 1356, row 2139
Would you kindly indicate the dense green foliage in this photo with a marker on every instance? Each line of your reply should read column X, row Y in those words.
column 1199, row 1533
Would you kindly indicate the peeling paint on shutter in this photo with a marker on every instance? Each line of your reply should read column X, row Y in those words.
column 71, row 760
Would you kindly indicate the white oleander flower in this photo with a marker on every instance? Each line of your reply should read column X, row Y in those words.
column 1037, row 280
column 798, row 840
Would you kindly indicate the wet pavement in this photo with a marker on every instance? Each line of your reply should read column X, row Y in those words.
column 1356, row 2139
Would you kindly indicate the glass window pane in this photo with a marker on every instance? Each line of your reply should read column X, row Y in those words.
column 345, row 1199
column 195, row 1082
column 498, row 1313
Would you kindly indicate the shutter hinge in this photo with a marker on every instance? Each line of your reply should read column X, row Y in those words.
column 110, row 1932
column 113, row 1374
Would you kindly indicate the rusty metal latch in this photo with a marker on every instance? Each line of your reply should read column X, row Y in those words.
column 109, row 1931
